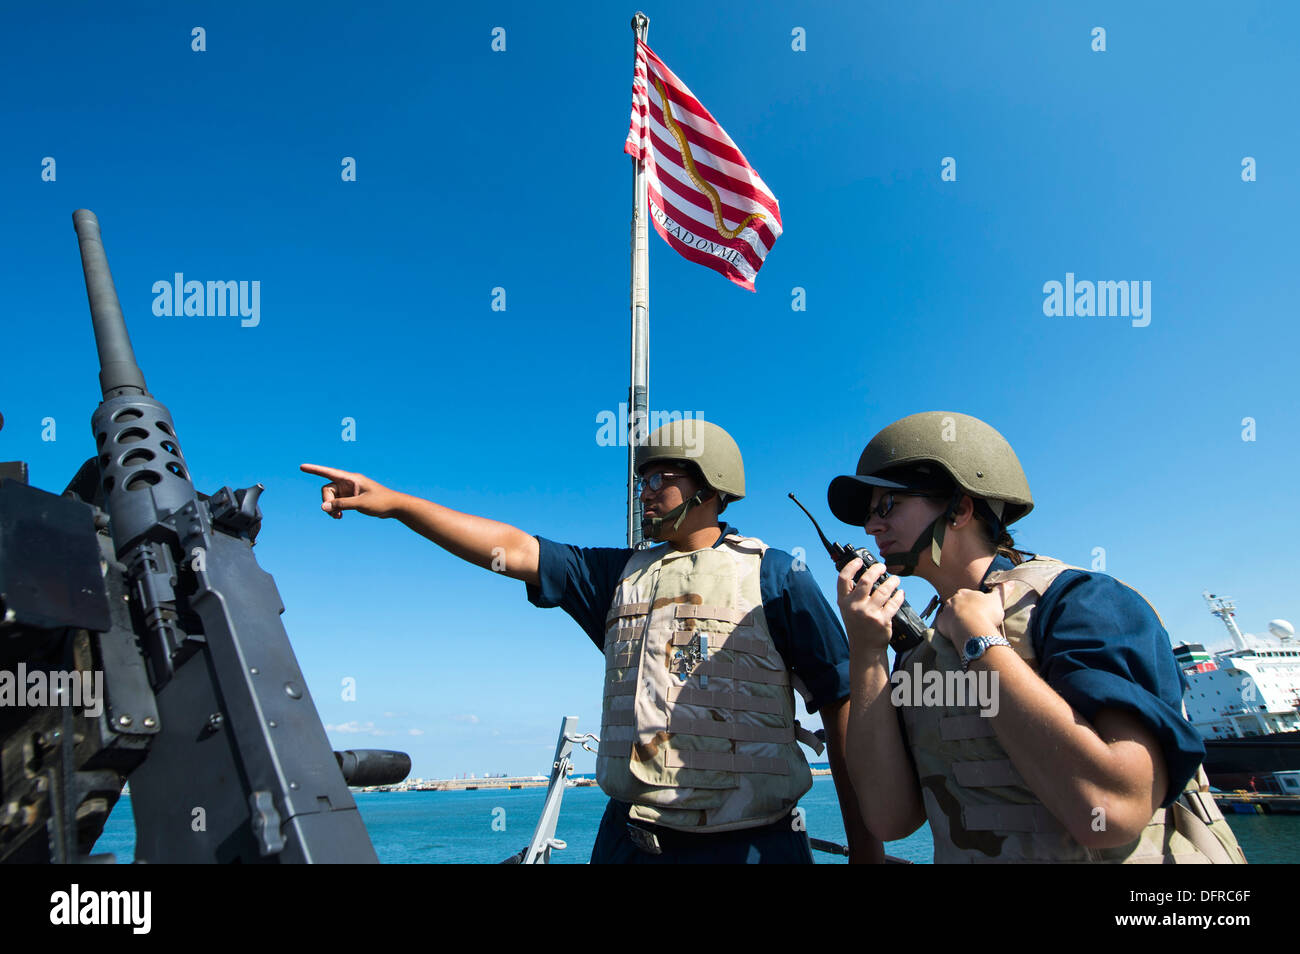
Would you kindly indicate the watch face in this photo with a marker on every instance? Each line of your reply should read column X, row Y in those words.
column 973, row 647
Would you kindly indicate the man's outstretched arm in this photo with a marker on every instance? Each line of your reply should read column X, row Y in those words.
column 487, row 543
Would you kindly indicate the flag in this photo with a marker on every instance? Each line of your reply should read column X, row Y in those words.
column 704, row 197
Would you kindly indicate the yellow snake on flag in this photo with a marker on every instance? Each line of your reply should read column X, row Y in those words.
column 688, row 161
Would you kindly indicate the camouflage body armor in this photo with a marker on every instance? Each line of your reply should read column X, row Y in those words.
column 698, row 730
column 979, row 807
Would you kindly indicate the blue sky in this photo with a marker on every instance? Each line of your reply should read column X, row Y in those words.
column 479, row 169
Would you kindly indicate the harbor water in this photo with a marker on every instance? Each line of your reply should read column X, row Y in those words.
column 485, row 827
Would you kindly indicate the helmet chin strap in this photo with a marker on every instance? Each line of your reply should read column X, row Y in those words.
column 652, row 527
column 931, row 536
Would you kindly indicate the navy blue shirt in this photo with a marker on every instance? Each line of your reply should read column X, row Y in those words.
column 1100, row 645
column 583, row 580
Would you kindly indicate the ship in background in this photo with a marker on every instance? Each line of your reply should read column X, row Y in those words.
column 1245, row 702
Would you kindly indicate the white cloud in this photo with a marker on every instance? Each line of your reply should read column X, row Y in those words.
column 467, row 717
column 415, row 731
column 356, row 728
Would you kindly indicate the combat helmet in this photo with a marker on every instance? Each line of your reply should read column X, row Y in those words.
column 936, row 452
column 699, row 444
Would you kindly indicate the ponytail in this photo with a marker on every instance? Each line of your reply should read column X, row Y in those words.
column 1006, row 547
column 997, row 536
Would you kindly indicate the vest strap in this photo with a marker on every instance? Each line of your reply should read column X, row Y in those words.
column 624, row 611
column 808, row 738
column 738, row 644
column 697, row 611
column 1026, row 818
column 621, row 660
column 1195, row 800
column 986, row 774
column 686, row 695
column 620, row 727
column 1195, row 829
column 724, row 762
column 718, row 669
column 956, row 728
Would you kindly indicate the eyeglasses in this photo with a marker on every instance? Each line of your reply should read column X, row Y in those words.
column 655, row 482
column 886, row 502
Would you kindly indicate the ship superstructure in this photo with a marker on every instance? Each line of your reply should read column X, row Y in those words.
column 1250, row 690
column 1245, row 701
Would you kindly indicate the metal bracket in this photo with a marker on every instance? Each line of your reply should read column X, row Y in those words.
column 582, row 740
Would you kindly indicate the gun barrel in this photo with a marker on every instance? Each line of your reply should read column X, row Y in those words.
column 118, row 371
column 363, row 767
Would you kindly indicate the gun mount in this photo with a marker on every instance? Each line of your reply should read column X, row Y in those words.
column 142, row 640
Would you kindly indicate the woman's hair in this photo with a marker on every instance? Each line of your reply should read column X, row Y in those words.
column 1003, row 545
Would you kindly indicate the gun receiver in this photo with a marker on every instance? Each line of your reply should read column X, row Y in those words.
column 909, row 628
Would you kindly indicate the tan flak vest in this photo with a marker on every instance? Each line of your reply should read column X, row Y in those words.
column 698, row 730
column 978, row 805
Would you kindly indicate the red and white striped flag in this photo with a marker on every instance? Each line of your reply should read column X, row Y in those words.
column 705, row 199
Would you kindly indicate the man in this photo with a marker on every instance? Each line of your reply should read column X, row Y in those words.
column 704, row 637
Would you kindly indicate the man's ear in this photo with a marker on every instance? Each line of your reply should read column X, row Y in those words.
column 707, row 493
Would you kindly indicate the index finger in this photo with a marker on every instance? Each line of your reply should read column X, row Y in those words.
column 330, row 472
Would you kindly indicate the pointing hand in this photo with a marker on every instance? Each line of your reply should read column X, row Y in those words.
column 349, row 491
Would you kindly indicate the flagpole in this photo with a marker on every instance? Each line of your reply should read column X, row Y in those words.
column 639, row 387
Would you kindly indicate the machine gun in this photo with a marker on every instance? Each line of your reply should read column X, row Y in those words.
column 140, row 640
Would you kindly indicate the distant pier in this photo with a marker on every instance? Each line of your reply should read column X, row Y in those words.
column 1257, row 803
column 492, row 783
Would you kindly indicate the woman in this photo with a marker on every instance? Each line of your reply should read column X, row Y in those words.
column 1041, row 718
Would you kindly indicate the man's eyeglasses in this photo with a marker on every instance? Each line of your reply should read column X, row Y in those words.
column 655, row 482
column 886, row 502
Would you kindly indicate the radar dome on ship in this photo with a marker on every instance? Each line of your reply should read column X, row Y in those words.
column 1281, row 628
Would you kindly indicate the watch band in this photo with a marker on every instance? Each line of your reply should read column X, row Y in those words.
column 977, row 646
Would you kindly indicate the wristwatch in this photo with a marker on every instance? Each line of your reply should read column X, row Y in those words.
column 977, row 646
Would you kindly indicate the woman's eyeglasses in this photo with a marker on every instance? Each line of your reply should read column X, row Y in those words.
column 886, row 502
